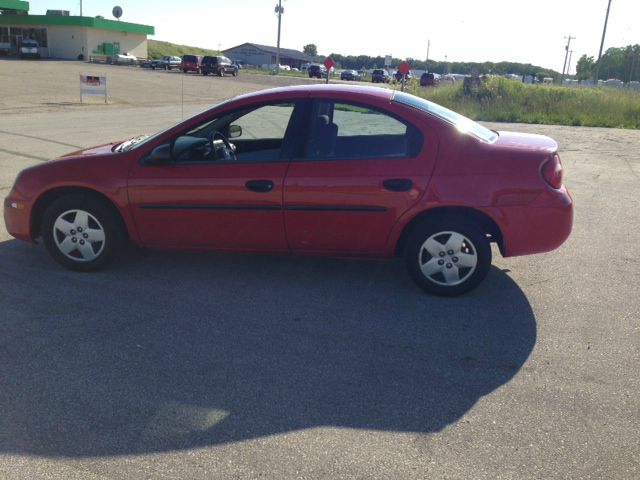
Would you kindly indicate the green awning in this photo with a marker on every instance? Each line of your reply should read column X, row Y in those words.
column 59, row 21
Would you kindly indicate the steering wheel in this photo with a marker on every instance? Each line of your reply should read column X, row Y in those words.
column 222, row 148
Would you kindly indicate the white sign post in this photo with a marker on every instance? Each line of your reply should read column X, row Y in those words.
column 93, row 85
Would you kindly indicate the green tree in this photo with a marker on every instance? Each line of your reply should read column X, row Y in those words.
column 584, row 67
column 310, row 49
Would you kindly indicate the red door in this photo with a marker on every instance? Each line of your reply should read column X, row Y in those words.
column 212, row 206
column 362, row 169
column 221, row 185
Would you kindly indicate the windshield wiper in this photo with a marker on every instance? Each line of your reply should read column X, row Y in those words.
column 129, row 144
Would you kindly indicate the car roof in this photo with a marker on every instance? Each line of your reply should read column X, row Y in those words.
column 357, row 91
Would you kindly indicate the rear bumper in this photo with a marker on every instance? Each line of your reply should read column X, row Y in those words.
column 536, row 228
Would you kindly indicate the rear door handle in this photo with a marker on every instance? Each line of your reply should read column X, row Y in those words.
column 398, row 184
column 260, row 186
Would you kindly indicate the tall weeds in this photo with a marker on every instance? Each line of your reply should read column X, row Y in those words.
column 501, row 100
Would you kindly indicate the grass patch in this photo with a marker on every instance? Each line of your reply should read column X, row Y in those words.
column 156, row 49
column 502, row 100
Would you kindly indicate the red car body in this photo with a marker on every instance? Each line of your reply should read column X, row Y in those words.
column 509, row 187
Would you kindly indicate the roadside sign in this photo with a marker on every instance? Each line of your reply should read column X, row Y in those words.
column 403, row 69
column 93, row 85
column 329, row 63
column 387, row 61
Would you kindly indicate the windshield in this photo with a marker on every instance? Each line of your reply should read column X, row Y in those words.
column 461, row 122
column 141, row 140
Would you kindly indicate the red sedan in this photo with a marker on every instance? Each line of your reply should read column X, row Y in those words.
column 321, row 170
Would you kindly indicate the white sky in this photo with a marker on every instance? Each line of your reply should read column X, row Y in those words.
column 462, row 30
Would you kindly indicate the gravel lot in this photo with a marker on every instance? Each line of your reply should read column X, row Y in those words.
column 176, row 365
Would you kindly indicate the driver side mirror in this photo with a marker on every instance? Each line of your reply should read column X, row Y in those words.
column 235, row 131
column 160, row 154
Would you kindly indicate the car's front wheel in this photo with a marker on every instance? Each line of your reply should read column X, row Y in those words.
column 81, row 232
column 448, row 257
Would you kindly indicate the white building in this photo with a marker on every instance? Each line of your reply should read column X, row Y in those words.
column 60, row 35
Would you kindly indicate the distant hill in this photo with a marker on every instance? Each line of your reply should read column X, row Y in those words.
column 157, row 49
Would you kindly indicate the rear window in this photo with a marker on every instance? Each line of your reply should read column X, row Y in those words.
column 461, row 122
column 190, row 58
column 378, row 72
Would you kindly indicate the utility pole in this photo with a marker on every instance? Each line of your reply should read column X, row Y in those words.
column 426, row 65
column 604, row 31
column 80, row 7
column 569, row 64
column 279, row 11
column 566, row 54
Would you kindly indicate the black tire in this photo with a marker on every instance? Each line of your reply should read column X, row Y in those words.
column 455, row 250
column 86, row 221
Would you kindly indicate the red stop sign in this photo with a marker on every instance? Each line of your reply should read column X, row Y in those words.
column 329, row 63
column 404, row 68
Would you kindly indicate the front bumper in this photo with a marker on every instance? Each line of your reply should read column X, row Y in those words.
column 17, row 218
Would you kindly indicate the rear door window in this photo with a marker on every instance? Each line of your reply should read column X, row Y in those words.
column 341, row 130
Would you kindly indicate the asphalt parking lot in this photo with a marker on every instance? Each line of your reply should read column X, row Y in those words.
column 180, row 365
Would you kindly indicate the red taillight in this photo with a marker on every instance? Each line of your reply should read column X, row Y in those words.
column 552, row 171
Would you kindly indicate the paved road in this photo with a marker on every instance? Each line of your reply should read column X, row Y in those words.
column 176, row 365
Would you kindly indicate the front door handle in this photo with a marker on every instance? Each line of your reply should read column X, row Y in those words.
column 260, row 186
column 398, row 184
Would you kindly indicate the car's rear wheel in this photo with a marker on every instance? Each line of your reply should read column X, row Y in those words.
column 82, row 232
column 448, row 257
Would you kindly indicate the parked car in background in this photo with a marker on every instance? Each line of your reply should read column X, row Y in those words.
column 330, row 170
column 5, row 48
column 380, row 75
column 317, row 71
column 429, row 79
column 191, row 63
column 125, row 59
column 218, row 65
column 29, row 49
column 166, row 62
column 350, row 75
